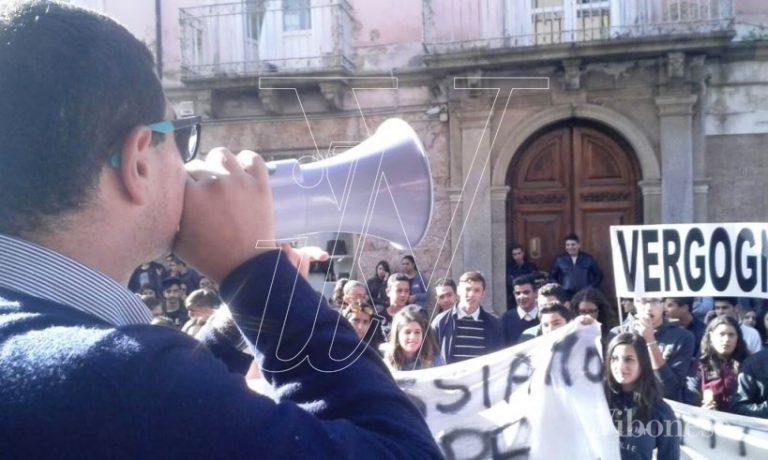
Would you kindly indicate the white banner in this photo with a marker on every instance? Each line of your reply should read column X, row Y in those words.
column 691, row 260
column 544, row 399
column 540, row 399
column 710, row 434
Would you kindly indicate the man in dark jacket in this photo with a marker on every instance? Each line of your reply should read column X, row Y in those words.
column 751, row 396
column 679, row 308
column 518, row 266
column 93, row 184
column 575, row 270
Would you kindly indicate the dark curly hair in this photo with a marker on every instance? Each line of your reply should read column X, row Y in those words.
column 73, row 84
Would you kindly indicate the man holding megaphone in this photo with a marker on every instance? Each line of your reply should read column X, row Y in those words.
column 93, row 184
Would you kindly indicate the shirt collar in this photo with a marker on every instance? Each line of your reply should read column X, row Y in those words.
column 40, row 272
column 460, row 314
column 530, row 315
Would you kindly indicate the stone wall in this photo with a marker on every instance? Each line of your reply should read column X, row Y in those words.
column 738, row 168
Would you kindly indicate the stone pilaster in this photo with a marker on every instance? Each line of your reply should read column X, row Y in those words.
column 475, row 216
column 499, row 223
column 651, row 189
column 676, row 128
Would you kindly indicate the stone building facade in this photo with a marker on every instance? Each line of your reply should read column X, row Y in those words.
column 539, row 117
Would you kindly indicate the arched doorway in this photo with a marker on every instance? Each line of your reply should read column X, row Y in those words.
column 575, row 176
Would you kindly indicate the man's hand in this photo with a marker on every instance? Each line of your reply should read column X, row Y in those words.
column 644, row 327
column 302, row 257
column 227, row 217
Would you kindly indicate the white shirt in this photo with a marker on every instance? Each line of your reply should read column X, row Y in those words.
column 751, row 338
column 461, row 314
column 39, row 272
column 528, row 315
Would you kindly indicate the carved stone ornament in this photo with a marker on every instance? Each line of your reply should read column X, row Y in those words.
column 675, row 65
column 270, row 98
column 333, row 92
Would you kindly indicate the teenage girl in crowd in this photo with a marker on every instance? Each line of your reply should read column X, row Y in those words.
column 722, row 352
column 592, row 302
column 411, row 344
column 377, row 285
column 644, row 421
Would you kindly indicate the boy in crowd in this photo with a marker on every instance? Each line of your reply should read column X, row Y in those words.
column 525, row 315
column 467, row 331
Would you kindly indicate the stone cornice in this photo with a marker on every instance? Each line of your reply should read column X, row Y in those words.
column 650, row 187
column 638, row 48
column 675, row 105
column 499, row 193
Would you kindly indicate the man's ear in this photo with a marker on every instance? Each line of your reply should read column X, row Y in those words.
column 133, row 163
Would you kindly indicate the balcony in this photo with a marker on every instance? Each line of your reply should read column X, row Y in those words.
column 457, row 26
column 258, row 37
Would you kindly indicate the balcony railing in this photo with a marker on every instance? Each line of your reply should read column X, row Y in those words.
column 470, row 25
column 254, row 37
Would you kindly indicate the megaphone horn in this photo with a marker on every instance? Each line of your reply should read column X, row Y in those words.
column 381, row 187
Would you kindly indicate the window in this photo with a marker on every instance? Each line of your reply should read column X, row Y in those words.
column 296, row 15
column 254, row 15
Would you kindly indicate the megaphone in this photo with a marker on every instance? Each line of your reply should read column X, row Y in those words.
column 381, row 187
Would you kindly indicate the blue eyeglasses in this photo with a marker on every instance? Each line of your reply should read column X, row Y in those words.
column 186, row 132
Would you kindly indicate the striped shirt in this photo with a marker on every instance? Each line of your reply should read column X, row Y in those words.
column 469, row 339
column 39, row 272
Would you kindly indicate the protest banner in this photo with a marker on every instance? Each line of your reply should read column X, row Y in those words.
column 711, row 434
column 691, row 260
column 540, row 399
column 544, row 399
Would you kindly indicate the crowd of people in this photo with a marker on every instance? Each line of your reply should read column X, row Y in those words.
column 707, row 352
column 96, row 183
column 177, row 295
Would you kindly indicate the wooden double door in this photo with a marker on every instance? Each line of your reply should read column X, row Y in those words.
column 578, row 178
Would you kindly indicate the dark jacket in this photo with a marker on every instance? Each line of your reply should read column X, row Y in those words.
column 676, row 346
column 151, row 276
column 514, row 326
column 751, row 396
column 530, row 334
column 72, row 386
column 697, row 328
column 574, row 277
column 444, row 327
column 635, row 442
column 377, row 289
column 419, row 290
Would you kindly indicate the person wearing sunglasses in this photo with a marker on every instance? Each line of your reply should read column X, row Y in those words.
column 93, row 183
